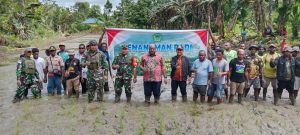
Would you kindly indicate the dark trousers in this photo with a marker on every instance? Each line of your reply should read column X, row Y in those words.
column 64, row 83
column 175, row 85
column 83, row 85
column 288, row 85
column 152, row 87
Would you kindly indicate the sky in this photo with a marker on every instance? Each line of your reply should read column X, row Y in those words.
column 101, row 3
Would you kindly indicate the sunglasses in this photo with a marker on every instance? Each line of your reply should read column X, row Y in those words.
column 179, row 50
column 81, row 48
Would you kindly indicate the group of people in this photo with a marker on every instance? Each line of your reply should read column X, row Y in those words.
column 214, row 73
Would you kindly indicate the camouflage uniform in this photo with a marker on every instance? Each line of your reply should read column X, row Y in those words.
column 28, row 76
column 124, row 75
column 95, row 74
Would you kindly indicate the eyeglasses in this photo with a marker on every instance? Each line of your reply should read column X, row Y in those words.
column 81, row 48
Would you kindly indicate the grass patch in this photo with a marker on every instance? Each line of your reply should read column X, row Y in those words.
column 143, row 125
column 17, row 128
column 160, row 121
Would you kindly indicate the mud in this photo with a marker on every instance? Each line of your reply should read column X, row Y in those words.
column 60, row 115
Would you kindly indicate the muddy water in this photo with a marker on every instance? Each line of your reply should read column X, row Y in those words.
column 60, row 115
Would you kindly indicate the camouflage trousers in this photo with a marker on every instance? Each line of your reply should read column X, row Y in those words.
column 27, row 83
column 119, row 83
column 95, row 83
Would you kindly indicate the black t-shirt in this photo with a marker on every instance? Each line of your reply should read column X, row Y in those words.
column 238, row 70
column 73, row 66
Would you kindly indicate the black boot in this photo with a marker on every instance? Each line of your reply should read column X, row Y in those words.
column 226, row 93
column 156, row 100
column 295, row 94
column 280, row 94
column 174, row 98
column 265, row 94
column 292, row 98
column 246, row 91
column 117, row 98
column 195, row 97
column 275, row 94
column 256, row 94
column 231, row 98
column 202, row 99
column 240, row 98
column 128, row 98
column 147, row 101
column 184, row 98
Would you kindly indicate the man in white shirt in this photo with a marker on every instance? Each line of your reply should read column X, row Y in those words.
column 40, row 65
column 83, row 79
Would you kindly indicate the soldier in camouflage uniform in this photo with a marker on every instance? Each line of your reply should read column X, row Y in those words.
column 97, row 71
column 27, row 77
column 126, row 68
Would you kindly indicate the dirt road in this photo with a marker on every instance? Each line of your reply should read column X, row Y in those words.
column 60, row 115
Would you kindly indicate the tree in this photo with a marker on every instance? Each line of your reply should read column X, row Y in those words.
column 295, row 18
column 107, row 8
column 95, row 12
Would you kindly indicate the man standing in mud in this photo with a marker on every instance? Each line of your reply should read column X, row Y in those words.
column 297, row 71
column 103, row 48
column 255, row 67
column 72, row 74
column 269, row 73
column 126, row 68
column 55, row 71
column 26, row 76
column 203, row 70
column 180, row 73
column 96, row 75
column 83, row 78
column 238, row 75
column 153, row 67
column 64, row 55
column 220, row 71
column 285, row 74
column 229, row 54
column 40, row 66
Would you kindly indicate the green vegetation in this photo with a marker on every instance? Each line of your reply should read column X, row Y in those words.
column 31, row 19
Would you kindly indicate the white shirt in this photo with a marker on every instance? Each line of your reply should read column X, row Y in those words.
column 83, row 70
column 40, row 66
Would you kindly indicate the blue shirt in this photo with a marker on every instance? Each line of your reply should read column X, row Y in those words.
column 64, row 55
column 106, row 54
column 202, row 70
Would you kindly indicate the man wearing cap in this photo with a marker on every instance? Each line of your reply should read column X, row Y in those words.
column 96, row 74
column 126, row 69
column 26, row 75
column 180, row 73
column 72, row 74
column 255, row 67
column 103, row 48
column 55, row 71
column 297, row 71
column 285, row 74
column 153, row 67
column 269, row 73
column 64, row 55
